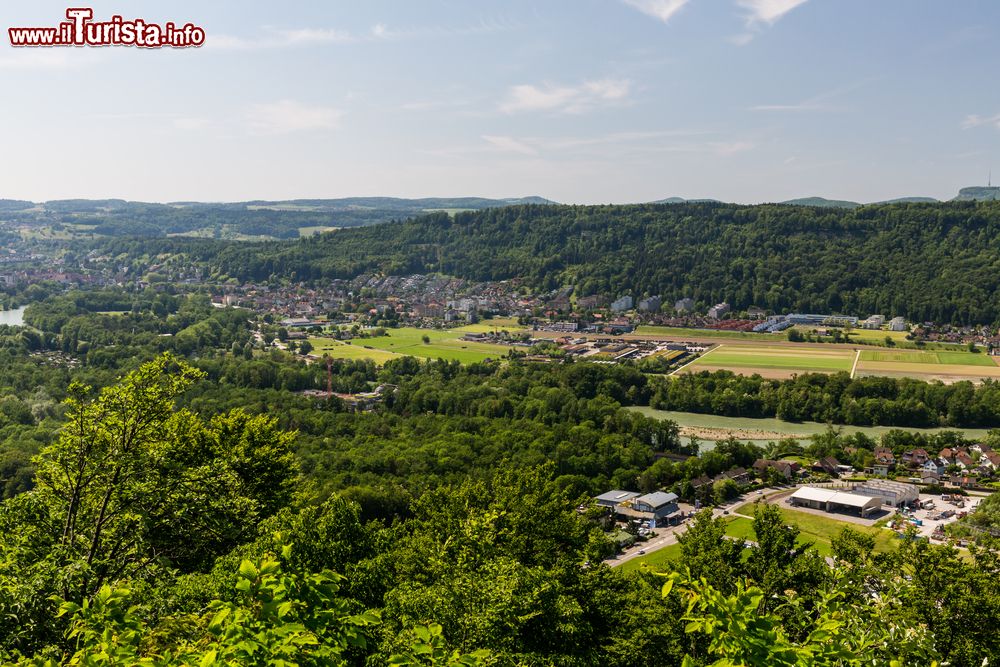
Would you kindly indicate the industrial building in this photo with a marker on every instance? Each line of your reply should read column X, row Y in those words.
column 611, row 499
column 829, row 500
column 895, row 494
column 656, row 507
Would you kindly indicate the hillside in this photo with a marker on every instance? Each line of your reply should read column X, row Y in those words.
column 937, row 262
column 252, row 220
column 978, row 193
column 822, row 202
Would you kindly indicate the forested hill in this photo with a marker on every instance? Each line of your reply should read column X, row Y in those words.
column 936, row 262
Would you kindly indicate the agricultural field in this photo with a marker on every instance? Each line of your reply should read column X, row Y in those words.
column 928, row 365
column 763, row 430
column 682, row 333
column 774, row 361
column 408, row 341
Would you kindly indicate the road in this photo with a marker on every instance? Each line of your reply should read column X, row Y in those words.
column 668, row 535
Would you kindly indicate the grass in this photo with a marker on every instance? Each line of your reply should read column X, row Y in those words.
column 653, row 561
column 777, row 358
column 508, row 324
column 822, row 529
column 408, row 341
column 965, row 358
column 819, row 531
column 340, row 350
column 806, row 429
column 875, row 336
column 900, row 356
column 928, row 364
column 681, row 332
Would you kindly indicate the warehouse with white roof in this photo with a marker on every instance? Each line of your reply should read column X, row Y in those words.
column 829, row 500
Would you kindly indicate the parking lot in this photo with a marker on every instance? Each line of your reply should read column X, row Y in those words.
column 931, row 518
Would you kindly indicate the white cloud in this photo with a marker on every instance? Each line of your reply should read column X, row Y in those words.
column 566, row 99
column 191, row 123
column 509, row 145
column 659, row 9
column 731, row 147
column 801, row 106
column 53, row 58
column 276, row 38
column 767, row 11
column 974, row 120
column 311, row 35
column 289, row 116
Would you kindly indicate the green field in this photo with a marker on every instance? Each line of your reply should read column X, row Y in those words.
column 354, row 350
column 776, row 358
column 874, row 336
column 681, row 332
column 508, row 324
column 900, row 356
column 802, row 429
column 821, row 529
column 409, row 341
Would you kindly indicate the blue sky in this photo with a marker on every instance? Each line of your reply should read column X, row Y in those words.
column 582, row 101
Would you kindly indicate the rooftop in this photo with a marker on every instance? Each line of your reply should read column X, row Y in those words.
column 814, row 494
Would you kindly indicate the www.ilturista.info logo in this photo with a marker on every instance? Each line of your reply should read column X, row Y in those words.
column 82, row 30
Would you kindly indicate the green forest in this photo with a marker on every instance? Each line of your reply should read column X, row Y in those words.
column 172, row 497
column 926, row 262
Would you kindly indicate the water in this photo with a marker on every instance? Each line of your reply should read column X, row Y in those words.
column 12, row 317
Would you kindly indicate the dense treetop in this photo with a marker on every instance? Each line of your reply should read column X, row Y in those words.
column 923, row 261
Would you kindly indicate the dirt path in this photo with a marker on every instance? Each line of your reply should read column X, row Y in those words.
column 857, row 357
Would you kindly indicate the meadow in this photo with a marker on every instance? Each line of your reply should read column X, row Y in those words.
column 948, row 366
column 408, row 341
column 774, row 361
column 799, row 430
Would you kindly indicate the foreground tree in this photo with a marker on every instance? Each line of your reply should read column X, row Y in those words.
column 132, row 489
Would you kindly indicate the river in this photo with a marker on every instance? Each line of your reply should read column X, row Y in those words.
column 13, row 317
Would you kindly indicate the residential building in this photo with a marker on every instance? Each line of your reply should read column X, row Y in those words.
column 650, row 304
column 897, row 324
column 622, row 304
column 785, row 468
column 685, row 305
column 915, row 457
column 829, row 465
column 884, row 456
column 873, row 322
column 719, row 310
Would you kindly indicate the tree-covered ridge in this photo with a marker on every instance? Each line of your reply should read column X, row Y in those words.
column 833, row 399
column 923, row 261
column 158, row 537
column 275, row 219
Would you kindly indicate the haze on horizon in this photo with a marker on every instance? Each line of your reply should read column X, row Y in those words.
column 580, row 101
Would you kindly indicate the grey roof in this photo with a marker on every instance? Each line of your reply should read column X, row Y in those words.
column 616, row 496
column 657, row 498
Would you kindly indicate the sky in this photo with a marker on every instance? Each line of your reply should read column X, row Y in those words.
column 579, row 101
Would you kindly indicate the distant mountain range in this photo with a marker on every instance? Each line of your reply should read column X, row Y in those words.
column 978, row 193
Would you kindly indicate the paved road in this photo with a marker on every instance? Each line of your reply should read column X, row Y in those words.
column 668, row 535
